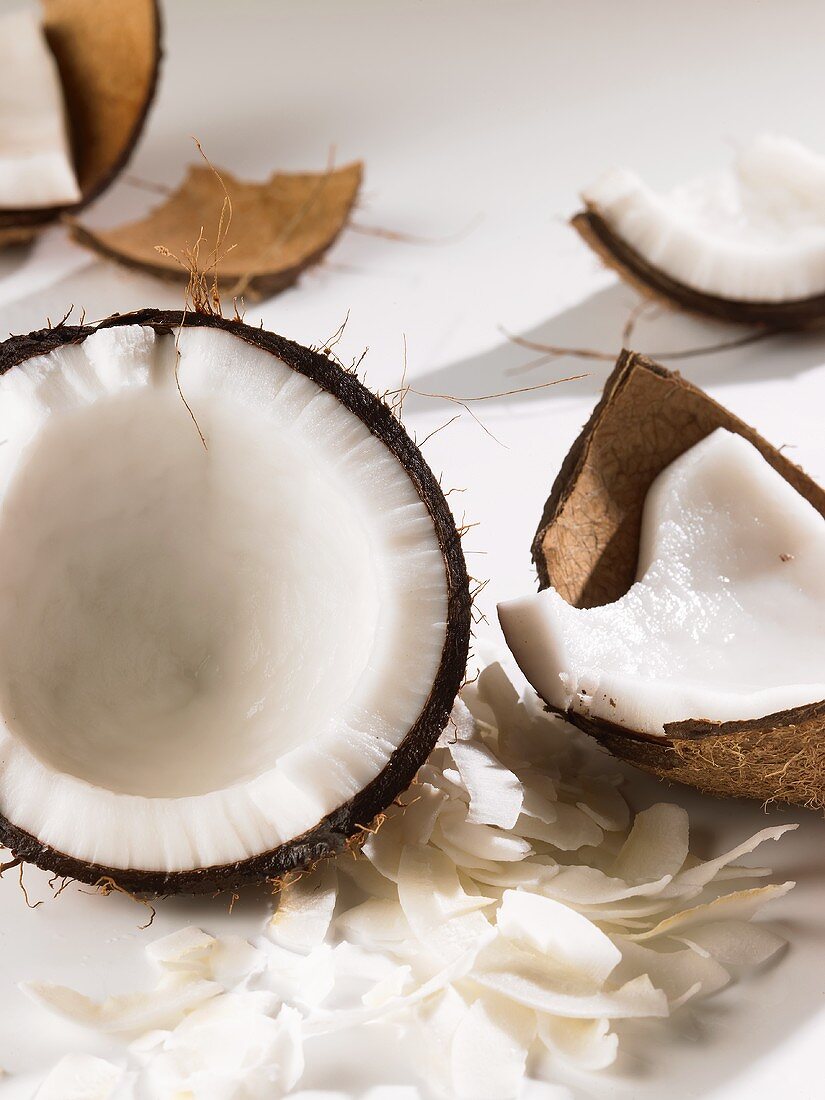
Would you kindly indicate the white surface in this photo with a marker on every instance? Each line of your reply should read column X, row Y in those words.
column 497, row 111
column 724, row 621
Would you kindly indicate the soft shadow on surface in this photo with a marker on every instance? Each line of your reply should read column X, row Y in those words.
column 597, row 324
column 97, row 290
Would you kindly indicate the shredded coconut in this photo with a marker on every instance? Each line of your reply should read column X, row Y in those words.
column 507, row 904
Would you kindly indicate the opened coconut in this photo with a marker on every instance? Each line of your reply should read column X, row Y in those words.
column 235, row 612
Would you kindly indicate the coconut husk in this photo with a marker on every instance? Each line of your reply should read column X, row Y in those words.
column 108, row 55
column 800, row 313
column 261, row 242
column 587, row 545
column 346, row 825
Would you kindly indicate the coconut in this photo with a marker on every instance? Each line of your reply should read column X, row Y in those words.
column 97, row 48
column 746, row 245
column 235, row 612
column 588, row 546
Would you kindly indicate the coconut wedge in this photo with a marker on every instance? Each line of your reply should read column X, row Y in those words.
column 234, row 612
column 590, row 543
column 107, row 56
column 745, row 245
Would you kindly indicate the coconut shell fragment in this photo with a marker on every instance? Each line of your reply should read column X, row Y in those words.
column 586, row 547
column 108, row 56
column 633, row 268
column 277, row 229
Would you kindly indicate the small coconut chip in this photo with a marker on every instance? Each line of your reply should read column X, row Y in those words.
column 267, row 234
column 463, row 922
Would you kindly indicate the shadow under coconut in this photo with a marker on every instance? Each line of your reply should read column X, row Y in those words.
column 597, row 324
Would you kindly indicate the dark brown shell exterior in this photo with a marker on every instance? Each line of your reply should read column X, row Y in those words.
column 335, row 832
column 586, row 547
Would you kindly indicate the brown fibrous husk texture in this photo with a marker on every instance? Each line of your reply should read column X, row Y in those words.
column 586, row 547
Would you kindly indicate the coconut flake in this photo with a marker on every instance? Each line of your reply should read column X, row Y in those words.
column 305, row 909
column 568, row 939
column 81, row 1077
column 532, row 980
column 489, row 1050
column 657, row 845
column 495, row 793
column 741, row 905
column 130, row 1012
column 735, row 942
column 441, row 914
column 234, row 1048
column 583, row 1044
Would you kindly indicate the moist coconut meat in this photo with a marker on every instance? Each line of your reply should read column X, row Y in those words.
column 725, row 621
column 753, row 233
column 204, row 649
column 36, row 167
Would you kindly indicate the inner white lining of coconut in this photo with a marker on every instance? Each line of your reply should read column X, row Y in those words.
column 202, row 652
column 755, row 232
column 725, row 621
column 35, row 159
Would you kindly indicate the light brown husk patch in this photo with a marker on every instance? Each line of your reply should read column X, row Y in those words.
column 587, row 547
column 278, row 228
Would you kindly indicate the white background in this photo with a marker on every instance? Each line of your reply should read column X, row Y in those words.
column 477, row 122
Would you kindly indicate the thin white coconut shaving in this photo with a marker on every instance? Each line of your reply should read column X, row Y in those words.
column 507, row 905
column 81, row 1077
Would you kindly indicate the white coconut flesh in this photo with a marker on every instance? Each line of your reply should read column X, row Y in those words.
column 725, row 621
column 755, row 232
column 202, row 651
column 36, row 167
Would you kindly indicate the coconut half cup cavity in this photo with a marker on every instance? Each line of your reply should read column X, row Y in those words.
column 634, row 269
column 108, row 56
column 587, row 545
column 294, row 394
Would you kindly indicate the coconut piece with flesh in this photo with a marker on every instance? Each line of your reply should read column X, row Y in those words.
column 746, row 244
column 725, row 690
column 235, row 612
column 35, row 158
column 96, row 79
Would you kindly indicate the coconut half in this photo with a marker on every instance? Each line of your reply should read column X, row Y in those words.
column 220, row 657
column 694, row 652
column 107, row 58
column 746, row 244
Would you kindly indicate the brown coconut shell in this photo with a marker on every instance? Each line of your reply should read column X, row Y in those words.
column 108, row 55
column 336, row 831
column 277, row 228
column 587, row 546
column 633, row 268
